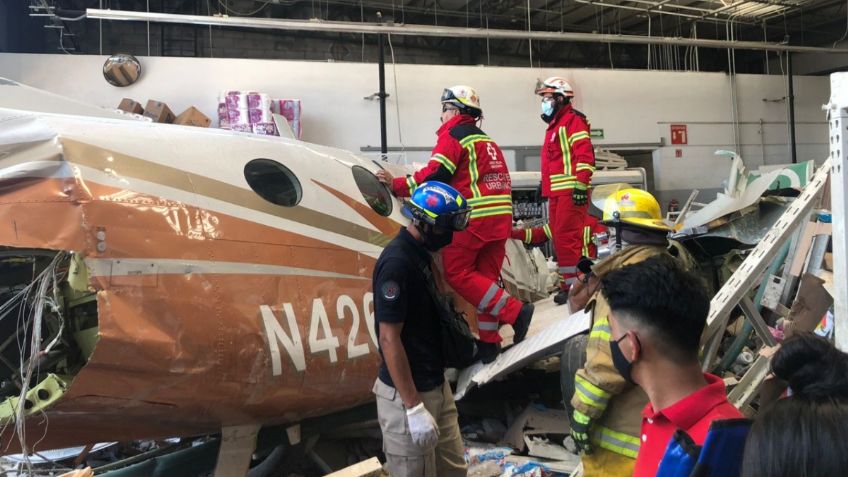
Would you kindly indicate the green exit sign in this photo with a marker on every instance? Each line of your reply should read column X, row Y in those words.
column 596, row 133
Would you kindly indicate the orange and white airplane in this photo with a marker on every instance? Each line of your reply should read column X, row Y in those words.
column 161, row 280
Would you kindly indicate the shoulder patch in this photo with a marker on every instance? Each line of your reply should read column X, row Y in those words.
column 390, row 290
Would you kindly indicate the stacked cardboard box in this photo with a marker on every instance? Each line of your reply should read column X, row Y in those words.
column 159, row 112
column 246, row 112
column 129, row 106
column 193, row 117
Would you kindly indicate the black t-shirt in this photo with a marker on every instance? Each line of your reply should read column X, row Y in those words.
column 401, row 296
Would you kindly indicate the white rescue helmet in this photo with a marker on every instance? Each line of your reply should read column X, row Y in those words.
column 464, row 98
column 554, row 85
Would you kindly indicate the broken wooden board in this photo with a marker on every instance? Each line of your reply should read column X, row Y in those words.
column 546, row 342
column 237, row 446
column 811, row 303
column 827, row 277
column 806, row 243
column 366, row 468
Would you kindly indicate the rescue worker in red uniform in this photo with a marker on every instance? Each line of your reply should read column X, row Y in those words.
column 539, row 235
column 470, row 161
column 568, row 162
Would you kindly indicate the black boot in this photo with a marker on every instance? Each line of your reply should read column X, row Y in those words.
column 487, row 352
column 522, row 322
column 561, row 298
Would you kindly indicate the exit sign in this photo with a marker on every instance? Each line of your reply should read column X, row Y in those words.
column 596, row 133
column 679, row 134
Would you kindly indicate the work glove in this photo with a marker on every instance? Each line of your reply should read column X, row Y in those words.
column 580, row 195
column 580, row 426
column 422, row 426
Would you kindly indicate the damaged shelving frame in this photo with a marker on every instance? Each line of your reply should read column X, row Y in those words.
column 837, row 111
column 734, row 292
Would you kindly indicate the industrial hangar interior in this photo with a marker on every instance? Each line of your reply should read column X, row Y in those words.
column 515, row 238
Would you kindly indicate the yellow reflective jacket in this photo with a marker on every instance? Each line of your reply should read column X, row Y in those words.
column 600, row 392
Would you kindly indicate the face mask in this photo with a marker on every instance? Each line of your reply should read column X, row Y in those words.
column 435, row 242
column 547, row 107
column 621, row 364
column 548, row 110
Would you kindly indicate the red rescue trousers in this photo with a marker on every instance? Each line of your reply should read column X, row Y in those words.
column 472, row 269
column 566, row 221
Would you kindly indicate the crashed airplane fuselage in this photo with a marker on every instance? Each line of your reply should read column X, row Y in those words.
column 160, row 280
column 185, row 301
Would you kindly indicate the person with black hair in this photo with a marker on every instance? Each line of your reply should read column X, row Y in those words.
column 807, row 433
column 658, row 311
column 605, row 409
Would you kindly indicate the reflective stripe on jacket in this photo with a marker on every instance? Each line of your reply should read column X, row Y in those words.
column 600, row 391
column 567, row 153
column 470, row 161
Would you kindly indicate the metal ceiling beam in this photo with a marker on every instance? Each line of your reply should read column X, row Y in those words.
column 441, row 31
column 703, row 16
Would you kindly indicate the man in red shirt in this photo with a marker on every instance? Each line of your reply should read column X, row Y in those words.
column 657, row 314
column 470, row 161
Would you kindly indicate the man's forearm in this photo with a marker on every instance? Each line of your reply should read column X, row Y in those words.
column 401, row 374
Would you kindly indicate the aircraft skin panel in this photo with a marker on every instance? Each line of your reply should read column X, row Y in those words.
column 218, row 196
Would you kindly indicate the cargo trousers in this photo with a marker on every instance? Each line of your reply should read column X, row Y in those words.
column 404, row 458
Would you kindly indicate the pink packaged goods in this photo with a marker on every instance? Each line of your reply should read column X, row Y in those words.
column 267, row 129
column 238, row 116
column 259, row 116
column 242, row 127
column 223, row 116
column 242, row 110
column 291, row 110
column 236, row 100
column 258, row 101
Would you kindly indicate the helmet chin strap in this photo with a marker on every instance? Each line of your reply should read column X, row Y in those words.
column 617, row 224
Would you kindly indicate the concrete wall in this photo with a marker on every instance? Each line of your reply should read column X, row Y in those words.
column 632, row 107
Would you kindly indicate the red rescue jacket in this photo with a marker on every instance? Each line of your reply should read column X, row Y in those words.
column 567, row 153
column 467, row 159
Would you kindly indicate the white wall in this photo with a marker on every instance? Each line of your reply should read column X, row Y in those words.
column 631, row 106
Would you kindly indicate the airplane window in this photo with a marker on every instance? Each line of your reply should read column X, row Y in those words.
column 273, row 182
column 375, row 193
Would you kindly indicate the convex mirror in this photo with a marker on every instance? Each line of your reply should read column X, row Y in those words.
column 121, row 70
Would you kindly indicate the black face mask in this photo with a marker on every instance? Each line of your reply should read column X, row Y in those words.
column 435, row 242
column 621, row 364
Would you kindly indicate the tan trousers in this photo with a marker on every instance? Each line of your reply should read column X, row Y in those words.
column 406, row 459
column 606, row 463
